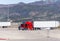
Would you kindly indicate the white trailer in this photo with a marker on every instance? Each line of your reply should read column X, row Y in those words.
column 5, row 24
column 45, row 24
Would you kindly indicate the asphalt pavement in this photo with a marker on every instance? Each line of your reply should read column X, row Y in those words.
column 13, row 34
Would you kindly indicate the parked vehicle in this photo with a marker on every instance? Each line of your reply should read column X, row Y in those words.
column 38, row 25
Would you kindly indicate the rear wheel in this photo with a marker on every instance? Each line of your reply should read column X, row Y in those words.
column 37, row 28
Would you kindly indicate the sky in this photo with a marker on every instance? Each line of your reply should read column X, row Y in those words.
column 15, row 1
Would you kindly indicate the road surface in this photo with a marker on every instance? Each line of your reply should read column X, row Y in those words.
column 13, row 34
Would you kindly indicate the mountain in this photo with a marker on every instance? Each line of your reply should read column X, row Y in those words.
column 38, row 3
column 58, row 2
column 43, row 2
column 35, row 11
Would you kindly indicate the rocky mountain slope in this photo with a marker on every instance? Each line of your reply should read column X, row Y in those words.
column 39, row 10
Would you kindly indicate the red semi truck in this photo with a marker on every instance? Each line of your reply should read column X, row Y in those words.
column 26, row 26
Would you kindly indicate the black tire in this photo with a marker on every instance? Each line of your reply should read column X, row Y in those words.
column 37, row 29
column 19, row 28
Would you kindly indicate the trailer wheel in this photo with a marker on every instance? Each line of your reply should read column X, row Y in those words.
column 37, row 28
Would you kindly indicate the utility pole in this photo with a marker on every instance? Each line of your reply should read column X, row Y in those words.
column 8, row 14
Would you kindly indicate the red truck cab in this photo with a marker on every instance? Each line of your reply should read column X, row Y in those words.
column 27, row 25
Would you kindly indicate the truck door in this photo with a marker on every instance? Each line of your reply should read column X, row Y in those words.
column 29, row 25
